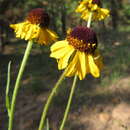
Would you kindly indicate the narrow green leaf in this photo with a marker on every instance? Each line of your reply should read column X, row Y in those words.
column 47, row 125
column 7, row 89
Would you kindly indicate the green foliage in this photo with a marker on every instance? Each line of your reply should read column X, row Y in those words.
column 127, row 10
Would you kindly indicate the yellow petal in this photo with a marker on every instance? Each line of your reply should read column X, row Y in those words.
column 85, row 15
column 80, row 8
column 13, row 26
column 53, row 35
column 28, row 31
column 29, row 34
column 101, row 14
column 46, row 36
column 87, row 65
column 98, row 59
column 58, row 45
column 43, row 37
column 82, row 64
column 79, row 72
column 63, row 62
column 105, row 11
column 93, row 67
column 72, row 67
column 59, row 53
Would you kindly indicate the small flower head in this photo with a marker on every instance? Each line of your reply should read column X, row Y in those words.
column 81, row 45
column 87, row 6
column 35, row 27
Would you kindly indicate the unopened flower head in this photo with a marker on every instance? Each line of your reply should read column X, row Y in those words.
column 92, row 6
column 35, row 27
column 78, row 53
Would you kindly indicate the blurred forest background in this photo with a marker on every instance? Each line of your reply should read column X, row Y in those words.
column 98, row 104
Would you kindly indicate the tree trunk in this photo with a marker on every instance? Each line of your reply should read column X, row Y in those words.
column 114, row 13
column 63, row 20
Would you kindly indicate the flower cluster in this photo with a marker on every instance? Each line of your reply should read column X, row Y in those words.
column 92, row 6
column 78, row 53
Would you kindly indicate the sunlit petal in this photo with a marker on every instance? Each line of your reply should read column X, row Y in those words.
column 94, row 70
column 72, row 68
column 63, row 62
column 82, row 64
column 58, row 45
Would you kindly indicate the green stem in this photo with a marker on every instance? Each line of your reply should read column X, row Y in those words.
column 53, row 92
column 89, row 20
column 7, row 90
column 69, row 103
column 17, row 84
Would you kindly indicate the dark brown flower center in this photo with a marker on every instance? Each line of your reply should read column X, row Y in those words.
column 39, row 16
column 83, row 39
column 98, row 2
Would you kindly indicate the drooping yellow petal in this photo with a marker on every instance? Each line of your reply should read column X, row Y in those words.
column 79, row 72
column 104, row 13
column 81, row 7
column 28, row 31
column 46, row 36
column 94, row 70
column 98, row 59
column 59, row 53
column 101, row 14
column 87, row 65
column 31, row 31
column 63, row 62
column 53, row 35
column 72, row 67
column 85, row 15
column 28, row 35
column 94, row 7
column 82, row 64
column 58, row 45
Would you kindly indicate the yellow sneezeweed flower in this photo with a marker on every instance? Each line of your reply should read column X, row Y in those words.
column 35, row 27
column 92, row 6
column 78, row 52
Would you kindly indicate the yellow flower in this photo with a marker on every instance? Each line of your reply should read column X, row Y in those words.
column 35, row 27
column 78, row 53
column 87, row 6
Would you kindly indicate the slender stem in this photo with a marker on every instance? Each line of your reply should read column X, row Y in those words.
column 47, row 125
column 89, row 19
column 53, row 92
column 17, row 84
column 72, row 89
column 69, row 103
column 7, row 90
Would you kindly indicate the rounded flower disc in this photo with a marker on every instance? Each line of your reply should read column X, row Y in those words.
column 35, row 27
column 87, row 6
column 78, row 53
